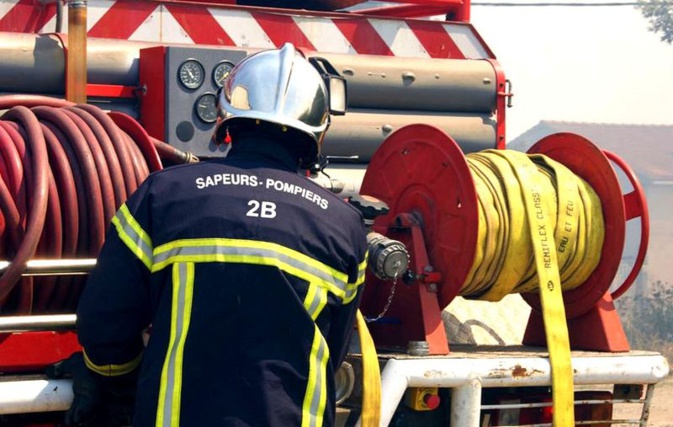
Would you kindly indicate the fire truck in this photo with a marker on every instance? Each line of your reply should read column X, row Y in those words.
column 465, row 235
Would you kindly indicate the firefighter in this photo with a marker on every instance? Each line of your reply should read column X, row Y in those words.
column 247, row 273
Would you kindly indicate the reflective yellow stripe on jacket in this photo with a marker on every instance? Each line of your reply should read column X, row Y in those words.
column 133, row 235
column 112, row 370
column 258, row 253
column 168, row 410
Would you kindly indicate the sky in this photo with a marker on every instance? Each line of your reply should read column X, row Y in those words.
column 586, row 64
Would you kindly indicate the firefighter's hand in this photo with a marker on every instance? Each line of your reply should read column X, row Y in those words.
column 86, row 405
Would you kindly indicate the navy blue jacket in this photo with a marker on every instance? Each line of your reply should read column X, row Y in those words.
column 249, row 275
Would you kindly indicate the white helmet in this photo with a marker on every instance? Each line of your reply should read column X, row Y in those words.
column 277, row 86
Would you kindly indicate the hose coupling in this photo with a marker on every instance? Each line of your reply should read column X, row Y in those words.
column 388, row 258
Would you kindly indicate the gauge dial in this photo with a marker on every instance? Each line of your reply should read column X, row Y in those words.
column 221, row 72
column 191, row 74
column 206, row 107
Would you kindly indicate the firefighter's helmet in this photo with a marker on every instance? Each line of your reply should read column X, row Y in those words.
column 276, row 86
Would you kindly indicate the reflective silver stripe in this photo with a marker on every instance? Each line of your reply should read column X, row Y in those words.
column 252, row 252
column 132, row 234
column 315, row 301
column 352, row 288
column 315, row 400
column 168, row 410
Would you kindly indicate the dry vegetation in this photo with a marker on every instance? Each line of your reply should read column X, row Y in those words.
column 648, row 319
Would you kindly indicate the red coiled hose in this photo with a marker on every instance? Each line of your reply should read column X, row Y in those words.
column 64, row 171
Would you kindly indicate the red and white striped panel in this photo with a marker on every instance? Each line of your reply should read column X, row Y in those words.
column 185, row 23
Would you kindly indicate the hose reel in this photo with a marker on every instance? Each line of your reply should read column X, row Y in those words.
column 65, row 169
column 425, row 179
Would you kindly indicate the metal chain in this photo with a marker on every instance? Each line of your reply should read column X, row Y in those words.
column 390, row 296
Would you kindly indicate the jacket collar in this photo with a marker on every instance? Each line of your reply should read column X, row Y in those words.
column 259, row 146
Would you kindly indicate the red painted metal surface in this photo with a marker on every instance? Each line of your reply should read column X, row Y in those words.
column 27, row 16
column 437, row 42
column 122, row 19
column 153, row 95
column 599, row 329
column 33, row 351
column 111, row 91
column 635, row 206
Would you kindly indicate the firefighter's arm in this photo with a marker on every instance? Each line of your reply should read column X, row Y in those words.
column 113, row 311
column 115, row 307
column 342, row 324
column 341, row 330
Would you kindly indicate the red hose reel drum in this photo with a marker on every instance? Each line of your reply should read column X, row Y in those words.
column 421, row 171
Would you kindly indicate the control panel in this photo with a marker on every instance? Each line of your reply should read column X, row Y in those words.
column 179, row 86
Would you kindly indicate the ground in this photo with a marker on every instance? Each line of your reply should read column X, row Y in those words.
column 661, row 411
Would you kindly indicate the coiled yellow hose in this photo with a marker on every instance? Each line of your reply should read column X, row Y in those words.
column 504, row 259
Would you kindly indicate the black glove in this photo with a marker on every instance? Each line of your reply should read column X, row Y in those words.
column 86, row 406
column 98, row 401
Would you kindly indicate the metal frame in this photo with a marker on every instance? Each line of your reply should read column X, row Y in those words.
column 466, row 374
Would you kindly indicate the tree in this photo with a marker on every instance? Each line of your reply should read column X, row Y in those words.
column 660, row 15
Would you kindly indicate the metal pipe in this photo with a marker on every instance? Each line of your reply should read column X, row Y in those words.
column 34, row 63
column 75, row 87
column 394, row 382
column 645, row 414
column 342, row 179
column 30, row 396
column 59, row 16
column 56, row 322
column 360, row 132
column 466, row 404
column 396, row 83
column 23, row 396
column 48, row 267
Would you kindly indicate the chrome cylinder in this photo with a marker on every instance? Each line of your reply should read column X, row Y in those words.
column 360, row 132
column 394, row 83
column 56, row 322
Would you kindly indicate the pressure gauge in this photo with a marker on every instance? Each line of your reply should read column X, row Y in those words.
column 221, row 72
column 206, row 107
column 191, row 74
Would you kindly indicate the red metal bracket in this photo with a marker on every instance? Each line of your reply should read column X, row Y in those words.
column 427, row 285
column 414, row 314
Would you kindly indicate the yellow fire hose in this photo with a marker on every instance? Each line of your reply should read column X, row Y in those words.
column 371, row 376
column 540, row 227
